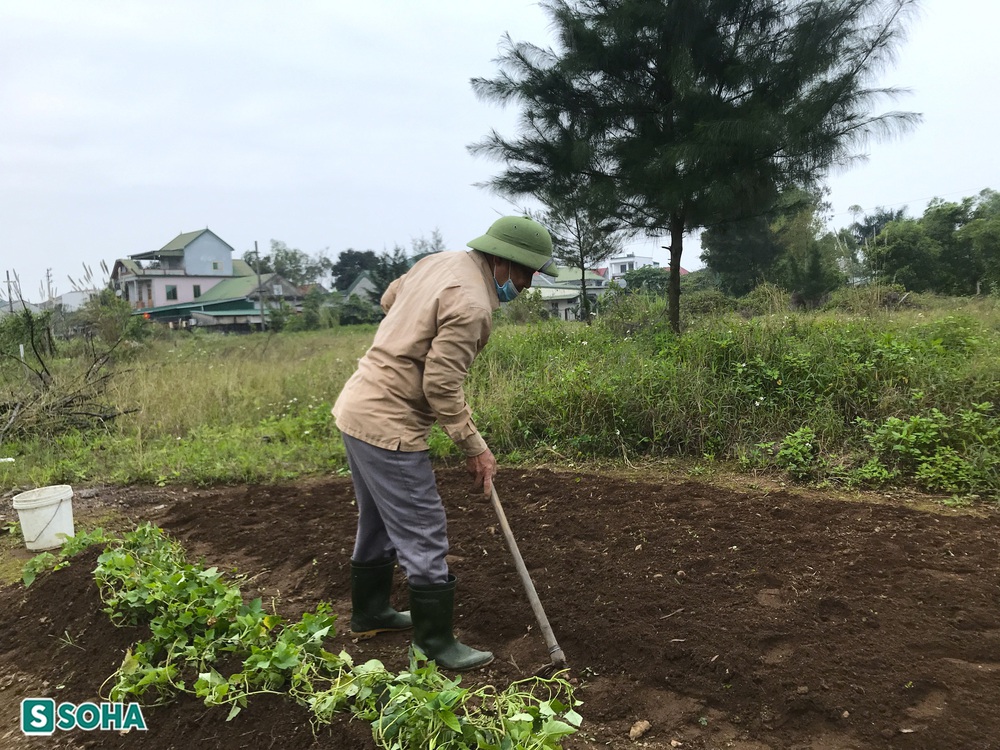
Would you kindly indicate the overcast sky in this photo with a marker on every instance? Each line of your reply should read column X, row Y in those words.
column 330, row 125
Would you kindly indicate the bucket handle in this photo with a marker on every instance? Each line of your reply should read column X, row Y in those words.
column 48, row 523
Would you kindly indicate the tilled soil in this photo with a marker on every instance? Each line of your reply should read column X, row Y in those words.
column 726, row 619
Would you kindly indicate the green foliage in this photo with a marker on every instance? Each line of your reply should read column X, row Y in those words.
column 731, row 387
column 527, row 307
column 356, row 310
column 797, row 454
column 37, row 564
column 648, row 279
column 742, row 254
column 314, row 313
column 950, row 453
column 206, row 641
column 702, row 280
column 765, row 299
column 626, row 312
column 256, row 409
column 866, row 300
column 33, row 331
column 704, row 303
column 278, row 316
column 904, row 254
column 109, row 319
column 74, row 545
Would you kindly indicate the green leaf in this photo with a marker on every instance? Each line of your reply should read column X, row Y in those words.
column 555, row 728
column 450, row 720
column 28, row 576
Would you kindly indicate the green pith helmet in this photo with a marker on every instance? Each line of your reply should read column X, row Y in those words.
column 521, row 240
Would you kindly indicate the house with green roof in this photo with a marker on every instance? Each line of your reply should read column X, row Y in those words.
column 194, row 280
column 233, row 304
column 560, row 294
column 181, row 271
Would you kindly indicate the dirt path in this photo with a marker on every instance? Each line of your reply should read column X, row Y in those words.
column 727, row 619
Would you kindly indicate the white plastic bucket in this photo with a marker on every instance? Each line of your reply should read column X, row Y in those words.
column 46, row 516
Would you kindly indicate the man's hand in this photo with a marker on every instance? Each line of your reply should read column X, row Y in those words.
column 482, row 468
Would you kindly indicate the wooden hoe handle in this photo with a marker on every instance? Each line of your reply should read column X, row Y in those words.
column 556, row 654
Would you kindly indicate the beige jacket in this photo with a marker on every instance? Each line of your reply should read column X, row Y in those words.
column 439, row 317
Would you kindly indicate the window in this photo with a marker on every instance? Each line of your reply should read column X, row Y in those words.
column 171, row 292
column 276, row 290
column 197, row 291
column 216, row 265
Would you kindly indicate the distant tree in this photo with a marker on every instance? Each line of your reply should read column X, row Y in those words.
column 783, row 247
column 350, row 264
column 280, row 316
column 648, row 279
column 692, row 112
column 866, row 227
column 961, row 269
column 109, row 318
column 390, row 267
column 312, row 317
column 702, row 280
column 903, row 253
column 741, row 253
column 582, row 237
column 291, row 264
column 295, row 265
column 808, row 265
column 423, row 246
column 28, row 329
column 812, row 272
column 982, row 235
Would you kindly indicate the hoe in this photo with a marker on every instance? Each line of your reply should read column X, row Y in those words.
column 556, row 655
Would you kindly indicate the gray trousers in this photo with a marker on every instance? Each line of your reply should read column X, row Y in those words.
column 400, row 513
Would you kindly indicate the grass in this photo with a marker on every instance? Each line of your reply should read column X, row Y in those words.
column 864, row 397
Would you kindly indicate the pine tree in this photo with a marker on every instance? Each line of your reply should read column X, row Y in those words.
column 680, row 114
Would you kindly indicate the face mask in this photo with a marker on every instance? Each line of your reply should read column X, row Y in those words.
column 508, row 291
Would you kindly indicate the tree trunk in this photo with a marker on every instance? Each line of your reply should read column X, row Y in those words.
column 674, row 285
column 584, row 299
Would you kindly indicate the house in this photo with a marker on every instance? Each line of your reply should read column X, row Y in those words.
column 560, row 302
column 194, row 280
column 234, row 304
column 362, row 287
column 560, row 294
column 70, row 301
column 14, row 306
column 181, row 271
column 306, row 289
column 621, row 264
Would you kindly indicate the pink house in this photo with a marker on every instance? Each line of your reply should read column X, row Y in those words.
column 180, row 271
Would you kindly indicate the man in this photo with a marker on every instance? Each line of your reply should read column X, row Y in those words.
column 438, row 318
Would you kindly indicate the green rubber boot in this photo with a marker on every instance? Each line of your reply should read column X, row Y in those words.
column 433, row 610
column 371, row 584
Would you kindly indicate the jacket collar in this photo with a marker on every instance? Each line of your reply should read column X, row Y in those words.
column 484, row 266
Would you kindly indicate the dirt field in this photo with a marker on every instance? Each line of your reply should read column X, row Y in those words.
column 728, row 619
